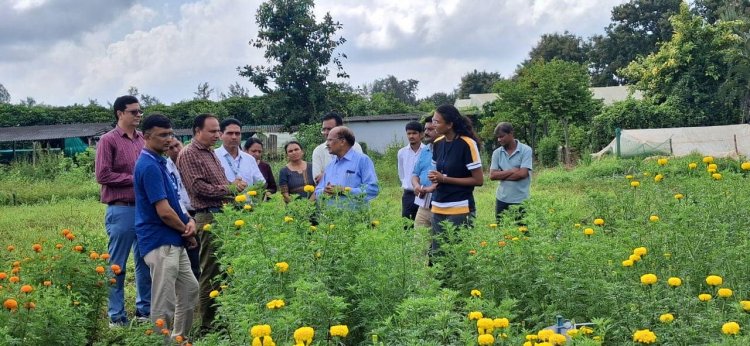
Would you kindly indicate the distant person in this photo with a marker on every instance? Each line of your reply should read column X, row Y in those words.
column 208, row 188
column 351, row 174
column 458, row 169
column 175, row 146
column 164, row 231
column 254, row 147
column 296, row 174
column 511, row 165
column 423, row 187
column 116, row 154
column 321, row 156
column 236, row 163
column 406, row 159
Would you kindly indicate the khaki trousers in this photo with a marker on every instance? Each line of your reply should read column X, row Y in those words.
column 423, row 218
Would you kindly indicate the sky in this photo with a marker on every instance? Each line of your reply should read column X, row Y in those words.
column 62, row 52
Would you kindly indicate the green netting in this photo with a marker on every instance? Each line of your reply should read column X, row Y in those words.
column 74, row 146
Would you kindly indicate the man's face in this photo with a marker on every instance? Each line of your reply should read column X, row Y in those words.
column 131, row 116
column 210, row 133
column 158, row 139
column 328, row 125
column 231, row 136
column 504, row 139
column 414, row 137
column 174, row 149
column 256, row 151
column 334, row 142
column 429, row 133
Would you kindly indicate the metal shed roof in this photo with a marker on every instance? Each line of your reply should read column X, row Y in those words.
column 46, row 132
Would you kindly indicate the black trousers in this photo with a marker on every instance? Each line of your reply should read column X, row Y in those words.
column 501, row 207
column 408, row 208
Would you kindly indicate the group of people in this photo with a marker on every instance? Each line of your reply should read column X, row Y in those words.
column 160, row 195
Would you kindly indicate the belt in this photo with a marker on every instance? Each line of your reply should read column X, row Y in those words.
column 124, row 204
column 208, row 210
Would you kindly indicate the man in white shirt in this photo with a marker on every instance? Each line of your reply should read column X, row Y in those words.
column 407, row 158
column 321, row 157
column 236, row 163
column 174, row 174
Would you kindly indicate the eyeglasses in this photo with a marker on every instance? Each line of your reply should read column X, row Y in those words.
column 134, row 112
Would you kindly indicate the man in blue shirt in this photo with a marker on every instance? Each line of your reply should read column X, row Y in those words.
column 423, row 187
column 351, row 173
column 511, row 165
column 163, row 231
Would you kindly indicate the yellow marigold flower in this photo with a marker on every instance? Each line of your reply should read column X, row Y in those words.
column 627, row 263
column 475, row 315
column 531, row 337
column 730, row 328
column 662, row 162
column 713, row 166
column 572, row 332
column 557, row 339
column 648, row 279
column 599, row 222
column 704, row 297
column 545, row 334
column 745, row 166
column 252, row 193
column 523, row 229
column 288, row 219
column 714, row 280
column 708, row 159
column 725, row 292
column 674, row 281
column 501, row 323
column 275, row 304
column 658, row 178
column 239, row 223
column 640, row 251
column 578, row 225
column 240, row 198
column 635, row 257
column 653, row 218
column 711, row 170
column 514, row 238
column 485, row 326
column 679, row 196
column 260, row 330
column 309, row 188
column 340, row 330
column 635, row 183
column 476, row 293
column 716, row 176
column 493, row 225
column 347, row 189
column 528, row 343
column 745, row 304
column 304, row 335
column 247, row 207
column 207, row 227
column 486, row 339
column 628, row 177
column 313, row 228
column 644, row 336
column 666, row 318
column 646, row 174
column 588, row 231
column 214, row 294
column 282, row 267
column 331, row 227
column 692, row 165
column 587, row 330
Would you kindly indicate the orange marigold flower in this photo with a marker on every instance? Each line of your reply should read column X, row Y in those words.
column 70, row 236
column 78, row 248
column 26, row 289
column 29, row 306
column 10, row 304
column 165, row 331
column 37, row 247
column 3, row 276
column 47, row 283
column 58, row 246
column 93, row 255
column 116, row 269
column 104, row 256
column 99, row 270
column 159, row 323
column 11, row 248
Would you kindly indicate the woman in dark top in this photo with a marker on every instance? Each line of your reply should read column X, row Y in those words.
column 254, row 147
column 296, row 174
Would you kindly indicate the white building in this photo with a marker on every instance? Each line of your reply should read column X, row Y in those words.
column 378, row 132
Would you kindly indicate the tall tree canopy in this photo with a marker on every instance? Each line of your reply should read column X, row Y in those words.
column 298, row 50
column 4, row 94
column 476, row 82
column 565, row 46
column 403, row 90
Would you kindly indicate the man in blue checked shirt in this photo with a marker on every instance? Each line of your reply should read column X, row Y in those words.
column 351, row 173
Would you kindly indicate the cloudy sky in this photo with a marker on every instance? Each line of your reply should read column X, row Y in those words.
column 62, row 52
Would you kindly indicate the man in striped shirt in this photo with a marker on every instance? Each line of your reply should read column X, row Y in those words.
column 116, row 154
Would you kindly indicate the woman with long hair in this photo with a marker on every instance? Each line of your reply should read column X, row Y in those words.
column 458, row 169
column 254, row 147
column 296, row 174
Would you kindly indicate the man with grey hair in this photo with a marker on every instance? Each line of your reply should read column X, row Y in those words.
column 511, row 165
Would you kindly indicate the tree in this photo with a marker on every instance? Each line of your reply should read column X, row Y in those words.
column 477, row 83
column 204, row 92
column 403, row 90
column 4, row 94
column 28, row 102
column 298, row 51
column 565, row 46
column 714, row 10
column 637, row 28
column 144, row 99
column 235, row 90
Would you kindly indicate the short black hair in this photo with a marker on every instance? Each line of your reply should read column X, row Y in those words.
column 504, row 127
column 229, row 121
column 347, row 134
column 427, row 120
column 200, row 121
column 250, row 141
column 414, row 126
column 122, row 102
column 156, row 120
column 335, row 116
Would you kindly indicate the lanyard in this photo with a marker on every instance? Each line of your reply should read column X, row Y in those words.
column 235, row 170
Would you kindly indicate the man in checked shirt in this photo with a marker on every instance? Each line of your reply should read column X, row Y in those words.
column 208, row 189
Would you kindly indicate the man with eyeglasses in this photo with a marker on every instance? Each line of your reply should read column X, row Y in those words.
column 321, row 156
column 237, row 164
column 116, row 154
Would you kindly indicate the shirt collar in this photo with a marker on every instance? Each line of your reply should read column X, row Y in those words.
column 201, row 146
column 155, row 155
column 120, row 132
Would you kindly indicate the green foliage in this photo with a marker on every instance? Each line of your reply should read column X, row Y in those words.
column 631, row 114
column 405, row 91
column 20, row 115
column 565, row 46
column 546, row 151
column 476, row 82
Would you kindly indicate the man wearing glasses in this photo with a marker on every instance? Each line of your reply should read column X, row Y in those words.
column 116, row 154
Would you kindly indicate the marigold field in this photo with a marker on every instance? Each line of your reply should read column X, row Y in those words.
column 631, row 251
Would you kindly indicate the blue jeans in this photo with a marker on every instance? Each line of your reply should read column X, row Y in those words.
column 119, row 221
